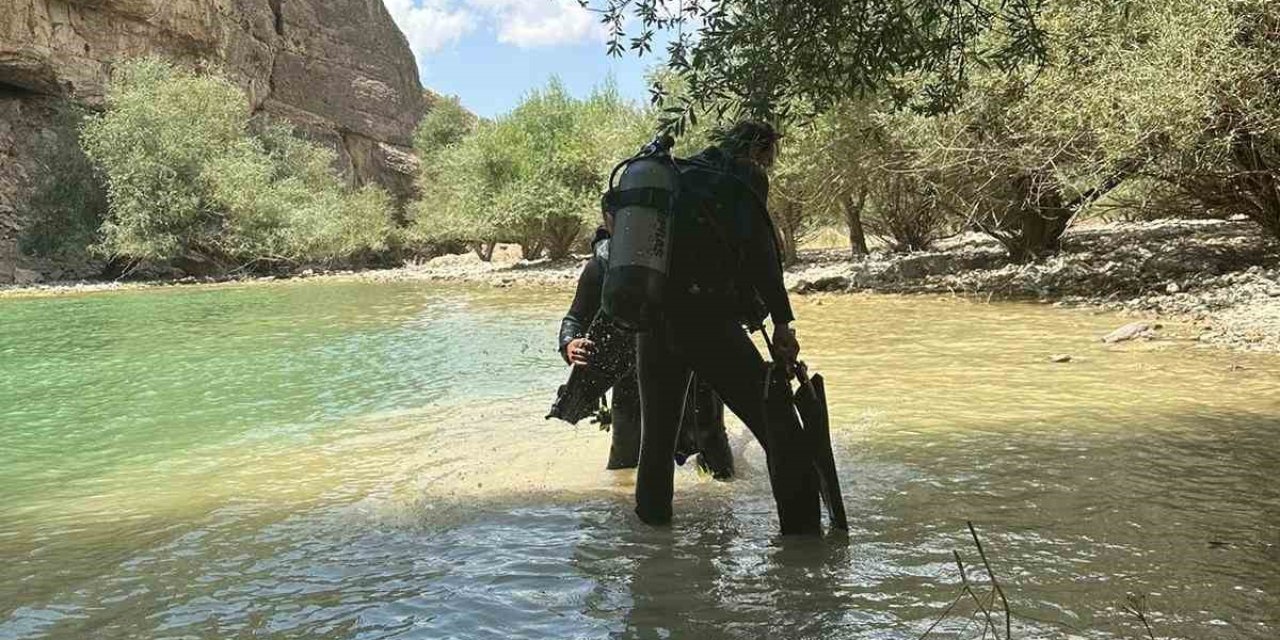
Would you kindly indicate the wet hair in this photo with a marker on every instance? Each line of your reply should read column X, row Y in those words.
column 745, row 137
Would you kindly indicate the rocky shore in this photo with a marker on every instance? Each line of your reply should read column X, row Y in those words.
column 1218, row 277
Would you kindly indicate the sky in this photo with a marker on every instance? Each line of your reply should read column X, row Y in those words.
column 489, row 53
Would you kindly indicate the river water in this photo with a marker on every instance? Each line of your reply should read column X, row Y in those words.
column 347, row 460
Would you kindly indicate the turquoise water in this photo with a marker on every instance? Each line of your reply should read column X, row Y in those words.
column 353, row 460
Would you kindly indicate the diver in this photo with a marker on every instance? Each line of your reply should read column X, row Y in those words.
column 725, row 275
column 702, row 429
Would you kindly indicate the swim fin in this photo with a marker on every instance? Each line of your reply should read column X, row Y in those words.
column 792, row 473
column 811, row 403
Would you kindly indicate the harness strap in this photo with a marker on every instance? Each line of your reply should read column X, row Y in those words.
column 639, row 197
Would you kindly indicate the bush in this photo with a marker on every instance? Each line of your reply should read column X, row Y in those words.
column 906, row 211
column 445, row 125
column 189, row 184
column 533, row 176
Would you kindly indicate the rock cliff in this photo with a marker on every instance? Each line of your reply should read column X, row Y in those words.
column 338, row 69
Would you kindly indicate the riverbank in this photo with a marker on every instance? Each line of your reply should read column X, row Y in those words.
column 1220, row 278
column 1217, row 277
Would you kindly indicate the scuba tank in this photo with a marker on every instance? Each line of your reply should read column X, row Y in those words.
column 643, row 204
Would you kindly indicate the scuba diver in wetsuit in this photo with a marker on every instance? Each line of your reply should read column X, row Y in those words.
column 702, row 423
column 725, row 274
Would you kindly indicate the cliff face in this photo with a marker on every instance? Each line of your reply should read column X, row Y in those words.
column 338, row 69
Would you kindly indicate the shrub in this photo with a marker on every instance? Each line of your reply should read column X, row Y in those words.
column 445, row 125
column 189, row 184
column 533, row 176
column 161, row 128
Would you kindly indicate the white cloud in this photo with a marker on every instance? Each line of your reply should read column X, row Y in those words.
column 540, row 23
column 430, row 25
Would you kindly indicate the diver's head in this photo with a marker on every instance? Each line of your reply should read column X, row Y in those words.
column 751, row 140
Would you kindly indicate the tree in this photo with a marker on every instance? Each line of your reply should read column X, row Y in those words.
column 1181, row 91
column 760, row 58
column 533, row 176
column 445, row 125
column 837, row 156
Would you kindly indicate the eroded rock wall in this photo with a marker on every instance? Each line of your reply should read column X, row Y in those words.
column 338, row 69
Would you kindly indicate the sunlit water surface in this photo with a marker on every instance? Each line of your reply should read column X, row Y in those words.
column 370, row 461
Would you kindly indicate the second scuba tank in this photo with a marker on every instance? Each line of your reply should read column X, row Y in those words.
column 642, row 203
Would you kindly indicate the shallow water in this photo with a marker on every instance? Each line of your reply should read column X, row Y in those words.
column 321, row 459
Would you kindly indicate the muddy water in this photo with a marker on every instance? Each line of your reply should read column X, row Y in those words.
column 370, row 461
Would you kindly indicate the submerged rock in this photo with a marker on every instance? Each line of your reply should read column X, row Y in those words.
column 823, row 284
column 1131, row 331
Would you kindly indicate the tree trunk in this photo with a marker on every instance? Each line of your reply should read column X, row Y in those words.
column 853, row 219
column 531, row 249
column 1040, row 228
column 1259, row 181
column 485, row 250
column 786, row 225
column 1043, row 217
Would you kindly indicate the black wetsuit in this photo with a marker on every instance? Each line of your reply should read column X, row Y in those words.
column 724, row 256
column 703, row 423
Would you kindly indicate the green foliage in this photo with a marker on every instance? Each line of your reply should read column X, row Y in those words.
column 533, row 176
column 445, row 125
column 161, row 127
column 764, row 58
column 188, row 182
column 69, row 201
column 1161, row 103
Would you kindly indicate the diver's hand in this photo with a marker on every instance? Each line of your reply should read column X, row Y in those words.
column 785, row 346
column 580, row 351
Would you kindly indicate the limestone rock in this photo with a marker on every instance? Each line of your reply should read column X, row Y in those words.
column 338, row 69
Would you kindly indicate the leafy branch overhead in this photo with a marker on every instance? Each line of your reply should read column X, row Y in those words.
column 758, row 58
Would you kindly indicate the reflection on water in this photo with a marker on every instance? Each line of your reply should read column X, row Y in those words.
column 370, row 461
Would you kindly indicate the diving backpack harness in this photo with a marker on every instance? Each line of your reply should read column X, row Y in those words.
column 643, row 194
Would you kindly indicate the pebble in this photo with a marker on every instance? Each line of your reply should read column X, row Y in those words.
column 1060, row 358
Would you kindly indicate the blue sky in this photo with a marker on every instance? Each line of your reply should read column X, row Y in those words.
column 491, row 52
